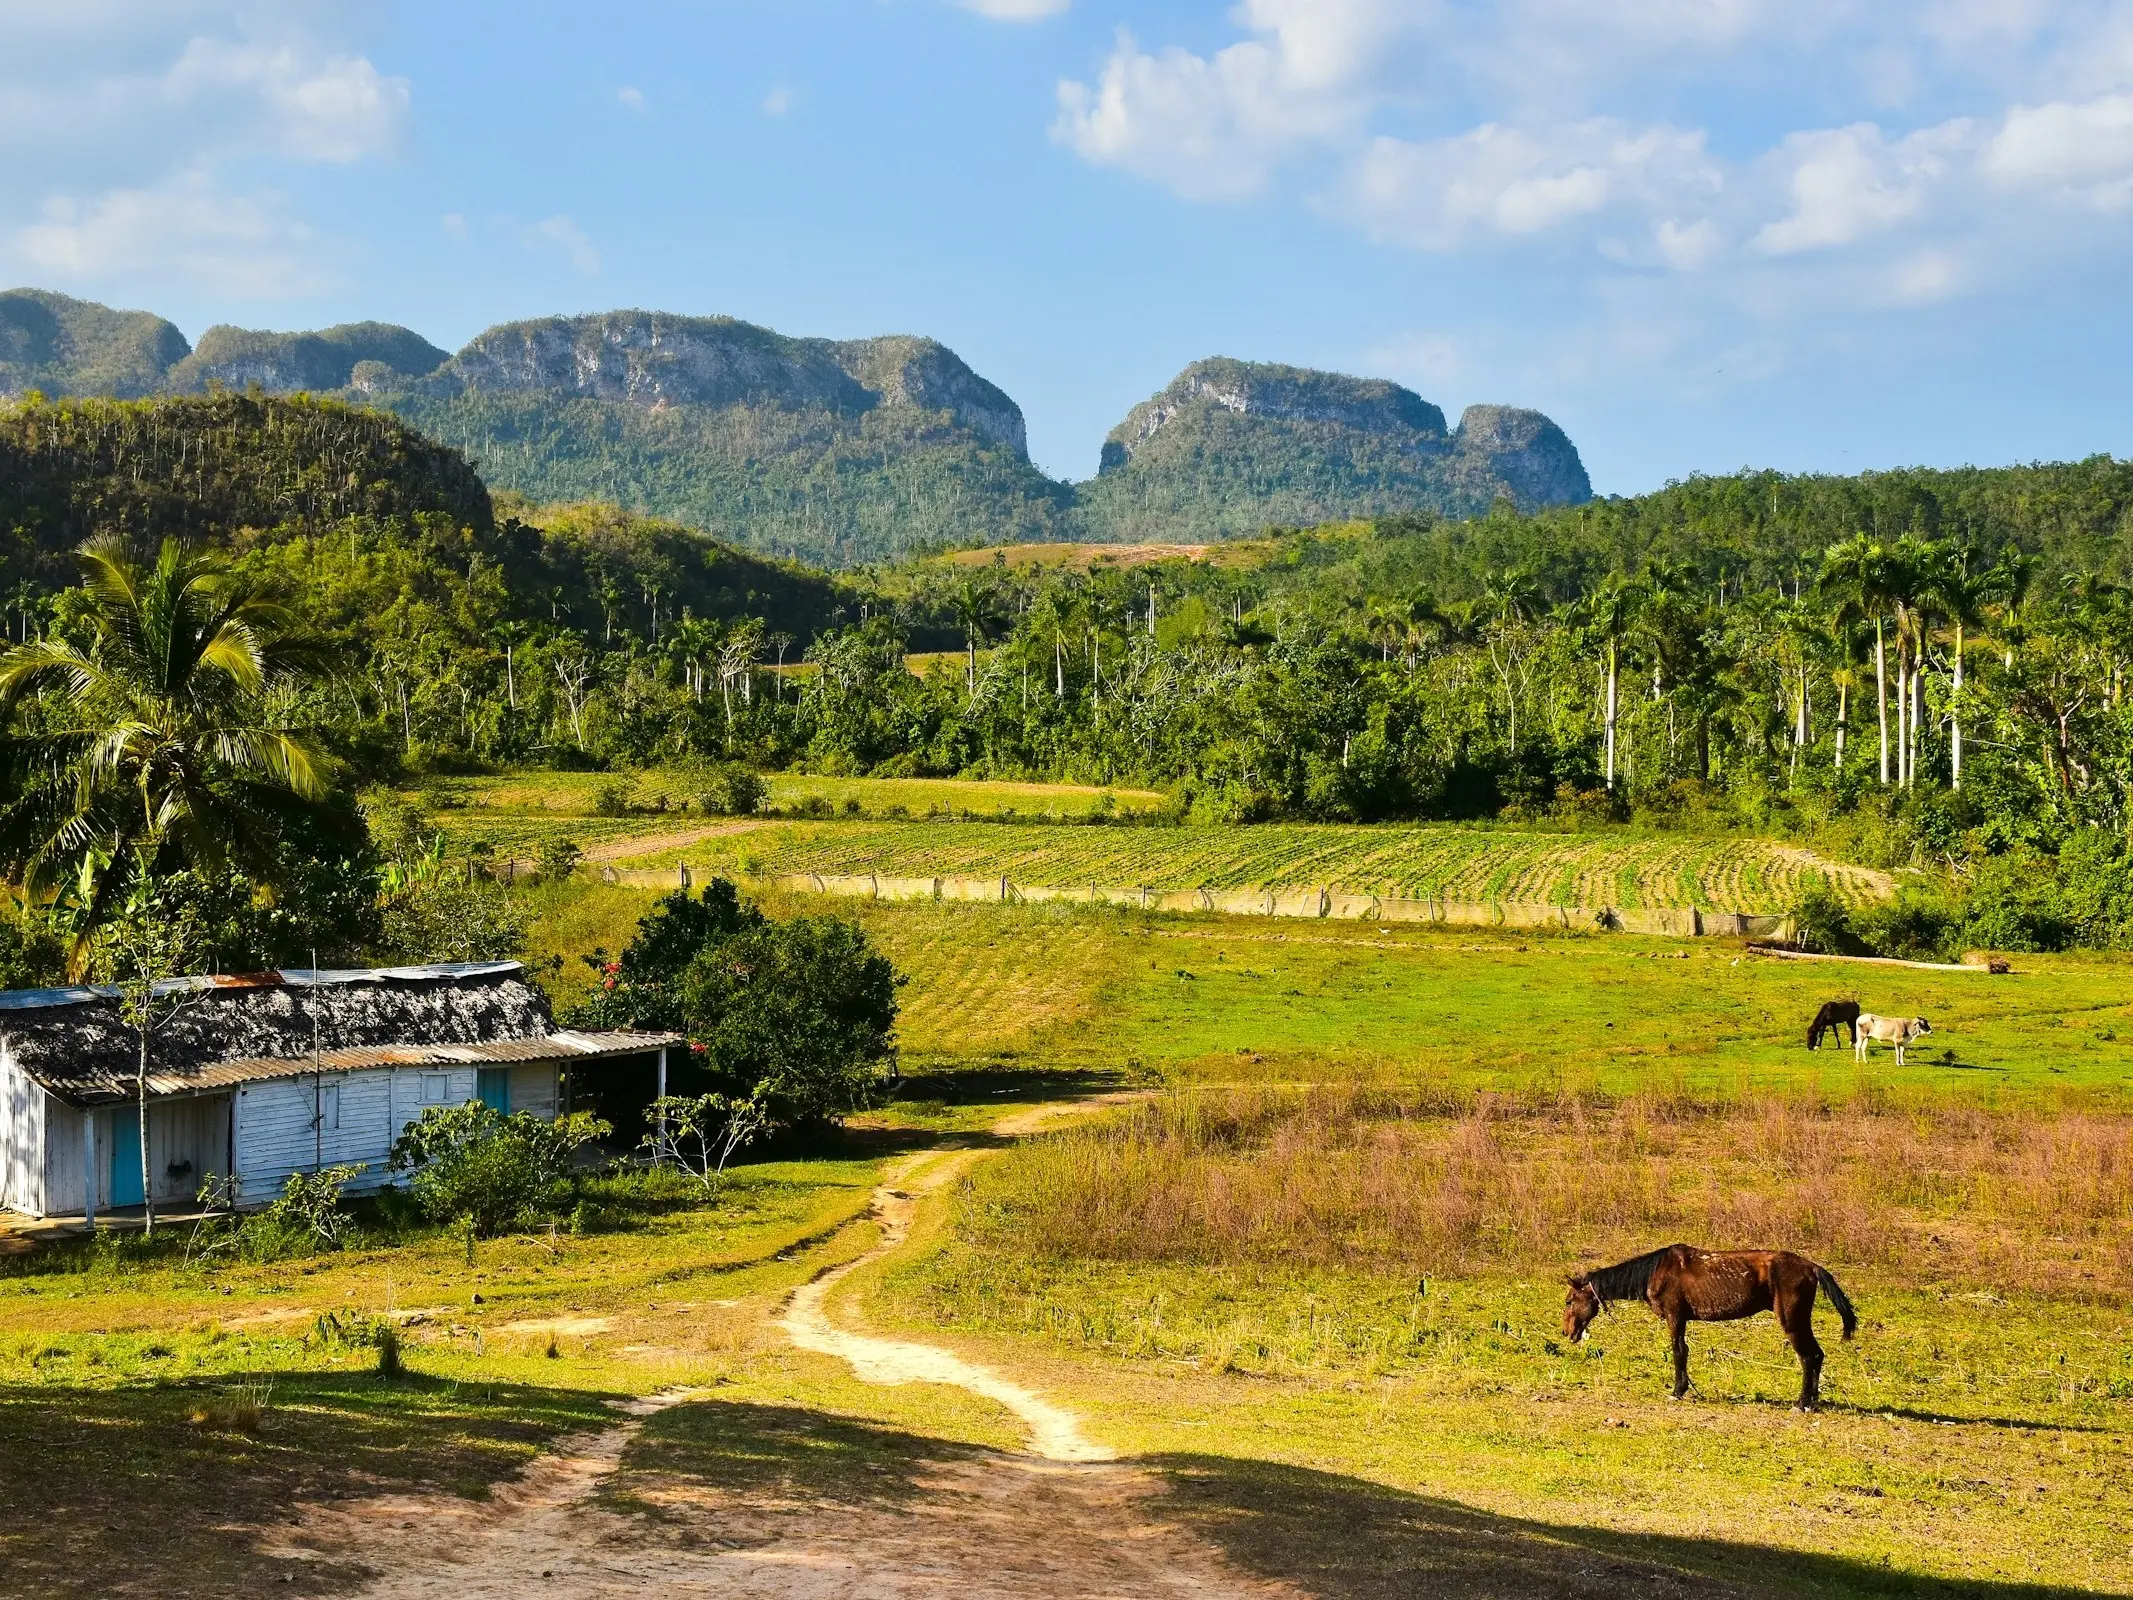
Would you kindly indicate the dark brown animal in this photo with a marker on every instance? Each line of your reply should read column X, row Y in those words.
column 1683, row 1285
column 1833, row 1016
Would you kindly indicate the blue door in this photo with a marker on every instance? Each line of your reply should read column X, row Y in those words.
column 493, row 1084
column 125, row 1157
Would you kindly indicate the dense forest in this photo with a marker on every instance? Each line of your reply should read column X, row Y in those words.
column 1917, row 668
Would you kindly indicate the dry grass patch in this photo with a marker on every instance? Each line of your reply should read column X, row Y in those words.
column 1935, row 1193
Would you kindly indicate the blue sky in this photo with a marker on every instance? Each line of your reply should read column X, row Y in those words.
column 1823, row 234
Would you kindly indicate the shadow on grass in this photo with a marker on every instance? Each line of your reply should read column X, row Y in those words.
column 1347, row 1539
column 780, row 1454
column 1321, row 1534
column 120, row 1492
column 1002, row 1086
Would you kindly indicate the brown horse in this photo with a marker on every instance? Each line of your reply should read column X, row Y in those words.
column 1834, row 1017
column 1683, row 1285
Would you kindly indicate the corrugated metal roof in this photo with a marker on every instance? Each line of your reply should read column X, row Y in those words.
column 286, row 977
column 96, row 1087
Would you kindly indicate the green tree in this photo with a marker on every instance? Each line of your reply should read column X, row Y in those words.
column 159, row 743
column 807, row 1007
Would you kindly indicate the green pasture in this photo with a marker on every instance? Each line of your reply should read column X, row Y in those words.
column 1146, row 997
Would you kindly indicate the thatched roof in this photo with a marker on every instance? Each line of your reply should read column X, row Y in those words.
column 261, row 1025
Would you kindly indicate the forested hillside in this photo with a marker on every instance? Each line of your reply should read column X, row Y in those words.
column 1908, row 668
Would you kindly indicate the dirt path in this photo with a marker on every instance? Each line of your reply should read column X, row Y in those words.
column 1055, row 1434
column 651, row 844
column 1063, row 1520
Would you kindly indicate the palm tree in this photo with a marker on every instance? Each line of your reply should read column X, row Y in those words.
column 1508, row 598
column 154, row 748
column 1857, row 575
column 511, row 635
column 1960, row 596
column 972, row 602
column 2012, row 581
column 1608, row 611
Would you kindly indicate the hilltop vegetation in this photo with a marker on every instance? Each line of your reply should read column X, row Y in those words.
column 1232, row 446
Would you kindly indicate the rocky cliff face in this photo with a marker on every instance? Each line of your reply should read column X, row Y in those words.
column 647, row 358
column 62, row 345
column 1231, row 446
column 1280, row 394
column 1529, row 454
column 240, row 357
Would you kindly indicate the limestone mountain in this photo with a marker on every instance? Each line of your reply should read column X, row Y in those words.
column 366, row 356
column 1231, row 446
column 835, row 450
column 62, row 345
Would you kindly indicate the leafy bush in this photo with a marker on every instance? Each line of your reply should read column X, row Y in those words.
column 556, row 860
column 1824, row 921
column 1917, row 925
column 476, row 1166
column 452, row 919
column 612, row 799
column 311, row 1205
column 731, row 789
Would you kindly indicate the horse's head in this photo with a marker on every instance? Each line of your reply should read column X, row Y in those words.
column 1580, row 1306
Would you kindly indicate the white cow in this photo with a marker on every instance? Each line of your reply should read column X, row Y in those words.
column 1898, row 1031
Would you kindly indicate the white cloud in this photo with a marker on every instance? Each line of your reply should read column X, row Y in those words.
column 1210, row 129
column 630, row 97
column 777, row 102
column 1848, row 183
column 562, row 234
column 1498, row 181
column 124, row 120
column 2083, row 149
column 1666, row 136
column 1017, row 10
column 251, row 245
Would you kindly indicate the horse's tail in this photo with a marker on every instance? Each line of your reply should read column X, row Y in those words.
column 1839, row 1299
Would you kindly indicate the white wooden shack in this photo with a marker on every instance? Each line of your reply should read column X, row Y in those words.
column 259, row 1076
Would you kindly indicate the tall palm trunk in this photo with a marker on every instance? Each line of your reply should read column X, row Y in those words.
column 1955, row 716
column 1881, row 696
column 1844, row 712
column 1610, row 716
column 1903, row 715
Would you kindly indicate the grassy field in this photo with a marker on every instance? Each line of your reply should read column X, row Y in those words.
column 1122, row 995
column 1313, row 1280
column 1443, row 861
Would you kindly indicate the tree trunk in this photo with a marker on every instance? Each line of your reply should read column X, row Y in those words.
column 1955, row 716
column 1881, row 697
column 1058, row 668
column 1903, row 715
column 1610, row 716
column 140, row 1083
column 510, row 678
column 1843, row 721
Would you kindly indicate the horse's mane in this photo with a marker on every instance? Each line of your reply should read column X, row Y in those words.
column 1626, row 1280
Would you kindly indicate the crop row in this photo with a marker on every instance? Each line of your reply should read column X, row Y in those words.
column 1443, row 862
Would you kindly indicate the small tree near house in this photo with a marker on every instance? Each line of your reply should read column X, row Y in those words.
column 149, row 942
